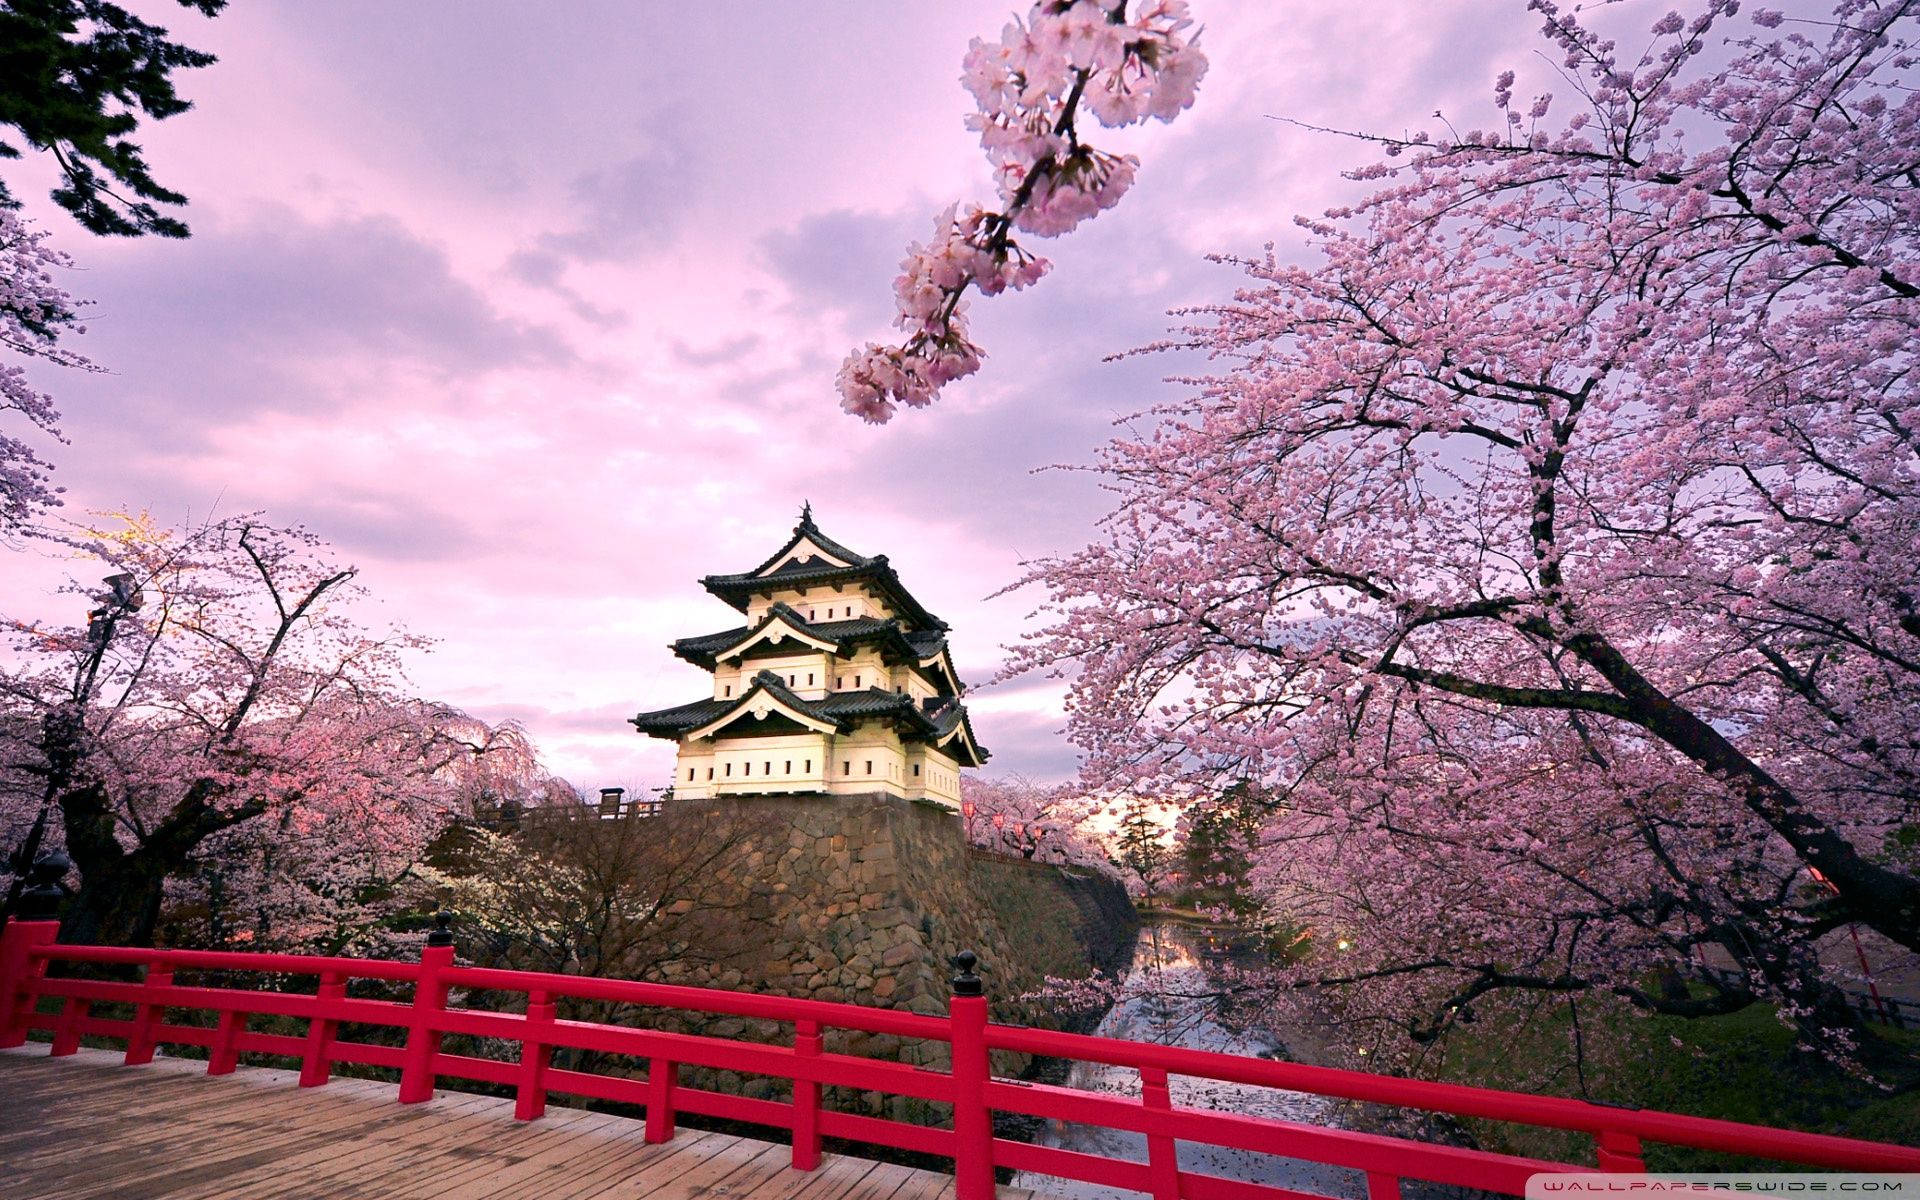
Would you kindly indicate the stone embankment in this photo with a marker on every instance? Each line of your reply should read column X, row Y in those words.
column 865, row 899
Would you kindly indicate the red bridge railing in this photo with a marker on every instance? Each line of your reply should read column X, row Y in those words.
column 28, row 948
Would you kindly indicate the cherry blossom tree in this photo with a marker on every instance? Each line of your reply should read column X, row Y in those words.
column 1543, row 544
column 34, row 312
column 1030, row 88
column 1015, row 816
column 224, row 714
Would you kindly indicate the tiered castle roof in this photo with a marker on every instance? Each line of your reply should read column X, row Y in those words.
column 902, row 643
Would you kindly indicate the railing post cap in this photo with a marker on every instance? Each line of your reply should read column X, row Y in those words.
column 40, row 899
column 966, row 983
column 442, row 934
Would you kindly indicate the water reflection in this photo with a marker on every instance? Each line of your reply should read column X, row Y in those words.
column 1164, row 1000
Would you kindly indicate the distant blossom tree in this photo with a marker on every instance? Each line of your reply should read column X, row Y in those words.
column 1013, row 815
column 223, row 728
column 1544, row 548
column 1030, row 87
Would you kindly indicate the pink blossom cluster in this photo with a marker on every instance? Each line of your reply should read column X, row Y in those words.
column 1546, row 549
column 1019, row 818
column 243, row 740
column 1029, row 87
column 34, row 312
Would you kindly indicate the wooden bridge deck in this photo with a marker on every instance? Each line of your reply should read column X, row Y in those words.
column 85, row 1126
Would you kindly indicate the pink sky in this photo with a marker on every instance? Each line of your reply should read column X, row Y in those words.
column 536, row 316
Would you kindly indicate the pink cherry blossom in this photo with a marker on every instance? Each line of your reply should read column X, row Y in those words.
column 34, row 312
column 1029, row 87
column 1544, row 552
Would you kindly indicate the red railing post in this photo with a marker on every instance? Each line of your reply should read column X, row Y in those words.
column 1619, row 1151
column 225, row 1054
column 1163, row 1161
column 66, row 1033
column 316, row 1062
column 806, row 1099
column 429, row 998
column 149, row 1014
column 20, row 972
column 663, row 1078
column 972, row 1122
column 1382, row 1186
column 530, row 1099
column 35, row 923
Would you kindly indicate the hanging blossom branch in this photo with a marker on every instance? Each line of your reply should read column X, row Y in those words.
column 1030, row 87
column 34, row 312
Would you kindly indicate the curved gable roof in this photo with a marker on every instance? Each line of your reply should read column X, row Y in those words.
column 767, row 696
column 807, row 531
column 875, row 572
column 926, row 648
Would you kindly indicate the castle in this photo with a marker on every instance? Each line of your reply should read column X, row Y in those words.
column 839, row 683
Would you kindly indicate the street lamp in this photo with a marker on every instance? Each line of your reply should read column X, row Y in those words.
column 124, row 596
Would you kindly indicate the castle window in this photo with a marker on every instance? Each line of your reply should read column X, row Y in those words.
column 856, row 681
column 869, row 766
column 728, row 690
column 809, row 678
column 689, row 774
column 746, row 768
column 787, row 769
column 729, row 769
column 709, row 772
column 846, row 768
column 809, row 766
column 916, row 770
column 767, row 768
column 789, row 681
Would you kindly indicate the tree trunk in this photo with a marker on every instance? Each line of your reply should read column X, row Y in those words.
column 118, row 904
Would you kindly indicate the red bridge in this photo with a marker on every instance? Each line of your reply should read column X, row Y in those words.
column 973, row 1092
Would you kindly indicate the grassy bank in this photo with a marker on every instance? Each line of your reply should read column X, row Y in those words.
column 1741, row 1067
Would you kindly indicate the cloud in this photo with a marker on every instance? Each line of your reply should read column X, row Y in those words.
column 844, row 260
column 1028, row 744
column 266, row 311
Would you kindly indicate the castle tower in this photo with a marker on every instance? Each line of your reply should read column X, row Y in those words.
column 839, row 683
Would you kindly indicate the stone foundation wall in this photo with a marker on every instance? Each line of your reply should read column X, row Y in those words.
column 864, row 899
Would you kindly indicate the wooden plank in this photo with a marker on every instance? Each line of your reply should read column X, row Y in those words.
column 267, row 1121
column 103, row 1131
column 626, row 1154
column 449, row 1145
column 923, row 1185
column 517, row 1178
column 504, row 1148
column 447, row 1123
column 199, row 1146
column 390, row 1137
column 186, row 1119
column 880, row 1184
column 697, row 1177
column 833, row 1178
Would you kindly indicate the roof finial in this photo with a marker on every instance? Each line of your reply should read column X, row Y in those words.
column 806, row 512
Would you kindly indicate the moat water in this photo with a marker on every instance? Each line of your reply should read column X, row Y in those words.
column 1163, row 999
